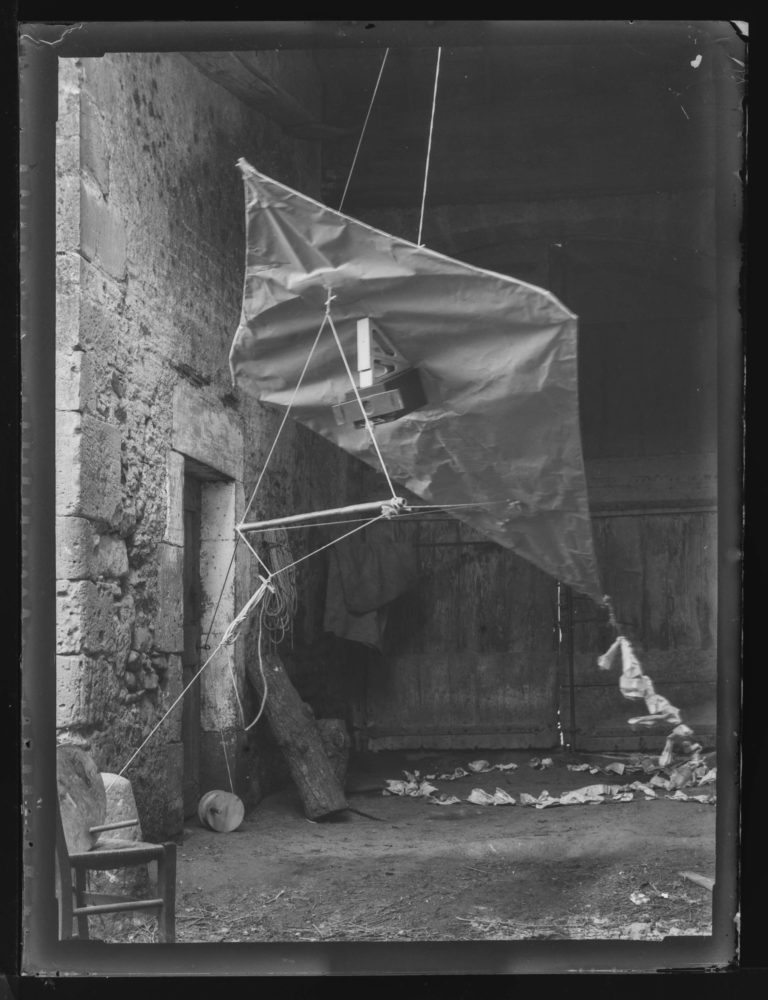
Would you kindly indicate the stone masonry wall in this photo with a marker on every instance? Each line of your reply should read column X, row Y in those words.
column 149, row 283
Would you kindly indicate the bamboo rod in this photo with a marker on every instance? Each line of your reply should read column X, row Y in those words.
column 114, row 826
column 702, row 880
column 374, row 505
column 133, row 904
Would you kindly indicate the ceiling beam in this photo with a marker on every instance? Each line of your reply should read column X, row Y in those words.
column 237, row 73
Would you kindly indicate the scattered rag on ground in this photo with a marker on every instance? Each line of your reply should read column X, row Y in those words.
column 364, row 576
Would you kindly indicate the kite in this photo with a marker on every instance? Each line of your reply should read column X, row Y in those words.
column 468, row 377
column 464, row 394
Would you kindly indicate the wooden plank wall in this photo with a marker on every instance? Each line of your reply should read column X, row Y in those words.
column 469, row 658
column 660, row 567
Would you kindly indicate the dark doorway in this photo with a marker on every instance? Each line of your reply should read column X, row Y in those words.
column 190, row 719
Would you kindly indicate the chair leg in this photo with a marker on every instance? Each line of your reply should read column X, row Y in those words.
column 80, row 887
column 166, row 890
column 66, row 919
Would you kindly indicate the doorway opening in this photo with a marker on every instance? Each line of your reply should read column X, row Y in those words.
column 209, row 519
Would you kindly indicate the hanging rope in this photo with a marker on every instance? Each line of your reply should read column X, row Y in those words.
column 362, row 133
column 263, row 683
column 279, row 606
column 278, row 572
column 429, row 148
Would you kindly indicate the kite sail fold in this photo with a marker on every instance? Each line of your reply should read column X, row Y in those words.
column 491, row 427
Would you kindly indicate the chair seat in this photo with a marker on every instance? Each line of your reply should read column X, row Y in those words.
column 120, row 845
column 83, row 845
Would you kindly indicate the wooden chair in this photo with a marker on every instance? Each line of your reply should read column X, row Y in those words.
column 81, row 810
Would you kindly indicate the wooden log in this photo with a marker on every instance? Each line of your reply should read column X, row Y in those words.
column 296, row 733
column 336, row 743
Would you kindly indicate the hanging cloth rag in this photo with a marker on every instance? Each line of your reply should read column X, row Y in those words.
column 634, row 684
column 364, row 576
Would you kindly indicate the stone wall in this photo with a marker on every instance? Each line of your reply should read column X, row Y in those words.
column 150, row 231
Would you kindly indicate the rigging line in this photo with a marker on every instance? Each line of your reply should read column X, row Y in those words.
column 230, row 636
column 253, row 551
column 226, row 761
column 261, row 476
column 226, row 579
column 226, row 639
column 429, row 147
column 237, row 695
column 368, row 425
column 165, row 715
column 362, row 133
column 224, row 584
column 326, row 317
column 273, row 574
column 341, row 538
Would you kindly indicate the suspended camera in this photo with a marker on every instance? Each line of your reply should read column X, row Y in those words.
column 388, row 387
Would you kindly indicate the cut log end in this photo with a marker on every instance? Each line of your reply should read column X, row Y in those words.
column 220, row 811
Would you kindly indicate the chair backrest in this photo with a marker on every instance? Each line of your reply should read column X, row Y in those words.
column 82, row 797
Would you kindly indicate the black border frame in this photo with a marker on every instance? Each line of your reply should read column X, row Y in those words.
column 43, row 955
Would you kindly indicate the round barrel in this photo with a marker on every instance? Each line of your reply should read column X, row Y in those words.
column 220, row 811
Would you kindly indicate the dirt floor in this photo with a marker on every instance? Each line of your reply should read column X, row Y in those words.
column 423, row 872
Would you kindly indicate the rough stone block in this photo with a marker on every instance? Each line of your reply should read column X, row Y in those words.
column 94, row 151
column 100, row 309
column 68, row 157
column 205, row 431
column 141, row 639
column 102, row 231
column 121, row 806
column 111, row 556
column 86, row 691
column 67, row 202
column 86, row 618
column 87, row 467
column 125, row 616
column 75, row 384
column 157, row 780
column 68, row 301
column 168, row 693
column 75, row 543
column 174, row 494
column 169, row 635
column 84, row 553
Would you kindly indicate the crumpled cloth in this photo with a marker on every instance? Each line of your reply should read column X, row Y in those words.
column 634, row 684
column 364, row 576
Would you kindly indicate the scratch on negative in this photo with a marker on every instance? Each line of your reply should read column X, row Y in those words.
column 42, row 41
